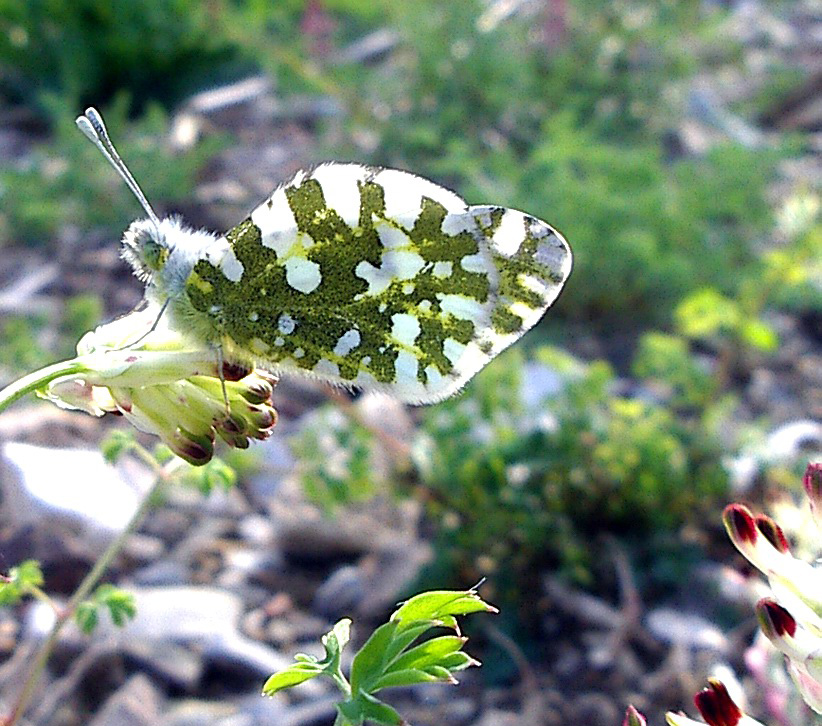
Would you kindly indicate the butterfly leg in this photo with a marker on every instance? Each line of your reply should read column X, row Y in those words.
column 149, row 331
column 221, row 373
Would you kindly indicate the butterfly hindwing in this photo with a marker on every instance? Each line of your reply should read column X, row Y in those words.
column 380, row 279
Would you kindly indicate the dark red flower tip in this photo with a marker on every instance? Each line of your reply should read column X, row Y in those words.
column 739, row 520
column 633, row 718
column 234, row 371
column 812, row 480
column 716, row 705
column 772, row 532
column 774, row 620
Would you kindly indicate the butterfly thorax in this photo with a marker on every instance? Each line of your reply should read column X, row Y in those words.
column 164, row 257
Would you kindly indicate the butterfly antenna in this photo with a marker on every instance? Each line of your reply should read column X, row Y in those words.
column 91, row 124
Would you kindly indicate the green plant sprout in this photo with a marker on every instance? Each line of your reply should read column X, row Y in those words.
column 389, row 657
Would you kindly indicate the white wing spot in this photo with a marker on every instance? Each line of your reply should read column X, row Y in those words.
column 349, row 340
column 453, row 350
column 455, row 224
column 402, row 264
column 286, row 324
column 340, row 189
column 509, row 235
column 221, row 255
column 404, row 192
column 406, row 367
column 377, row 279
column 405, row 328
column 278, row 227
column 443, row 268
column 434, row 376
column 302, row 274
column 391, row 236
column 533, row 284
column 474, row 263
column 463, row 307
column 327, row 368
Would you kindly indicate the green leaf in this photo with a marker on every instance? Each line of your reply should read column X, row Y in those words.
column 402, row 639
column 291, row 676
column 369, row 661
column 307, row 666
column 120, row 604
column 406, row 677
column 437, row 604
column 458, row 661
column 116, row 444
column 336, row 639
column 759, row 335
column 86, row 616
column 375, row 710
column 428, row 653
column 19, row 581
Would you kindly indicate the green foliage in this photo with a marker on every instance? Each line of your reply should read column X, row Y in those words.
column 117, row 443
column 667, row 359
column 24, row 344
column 706, row 314
column 22, row 580
column 216, row 474
column 390, row 658
column 87, row 50
column 523, row 485
column 119, row 604
column 338, row 460
column 73, row 187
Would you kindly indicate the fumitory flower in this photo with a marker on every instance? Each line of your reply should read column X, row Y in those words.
column 163, row 384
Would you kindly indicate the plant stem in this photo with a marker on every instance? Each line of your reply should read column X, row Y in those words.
column 89, row 581
column 38, row 379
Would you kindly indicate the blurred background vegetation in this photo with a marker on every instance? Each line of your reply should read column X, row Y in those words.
column 579, row 111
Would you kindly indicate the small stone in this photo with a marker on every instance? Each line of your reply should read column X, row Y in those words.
column 137, row 703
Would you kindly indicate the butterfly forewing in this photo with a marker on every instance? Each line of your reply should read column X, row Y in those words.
column 379, row 279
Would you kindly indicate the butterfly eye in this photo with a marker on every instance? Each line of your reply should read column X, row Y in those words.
column 154, row 255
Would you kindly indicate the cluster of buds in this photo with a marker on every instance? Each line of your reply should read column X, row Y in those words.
column 790, row 617
column 167, row 386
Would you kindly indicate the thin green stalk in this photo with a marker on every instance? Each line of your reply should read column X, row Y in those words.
column 34, row 381
column 89, row 581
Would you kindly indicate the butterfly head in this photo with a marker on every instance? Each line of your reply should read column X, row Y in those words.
column 145, row 248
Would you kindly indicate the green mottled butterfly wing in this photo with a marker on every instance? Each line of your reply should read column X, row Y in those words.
column 379, row 279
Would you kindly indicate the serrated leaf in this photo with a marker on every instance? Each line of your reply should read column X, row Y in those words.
column 291, row 676
column 458, row 661
column 430, row 652
column 86, row 616
column 369, row 661
column 440, row 673
column 405, row 677
column 438, row 604
column 402, row 639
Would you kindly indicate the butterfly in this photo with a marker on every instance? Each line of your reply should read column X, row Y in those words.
column 369, row 277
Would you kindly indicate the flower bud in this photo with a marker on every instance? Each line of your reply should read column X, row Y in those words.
column 633, row 718
column 812, row 481
column 166, row 386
